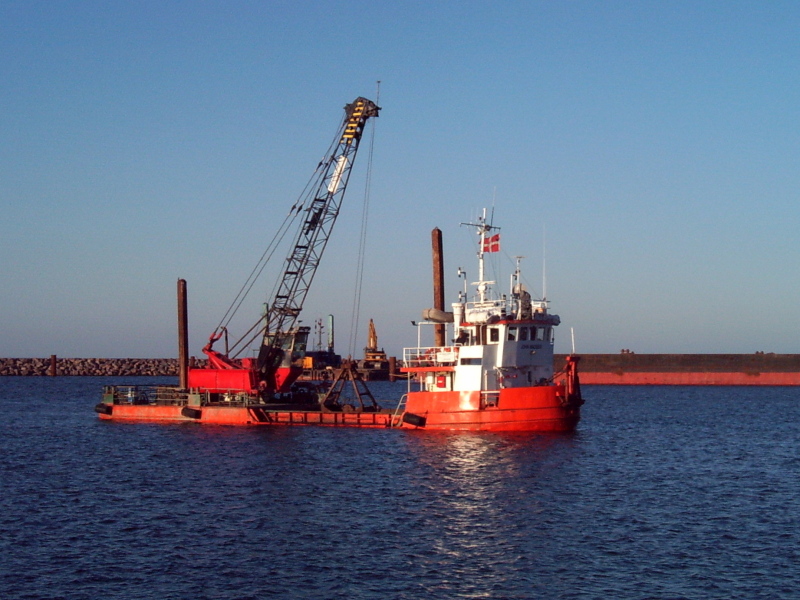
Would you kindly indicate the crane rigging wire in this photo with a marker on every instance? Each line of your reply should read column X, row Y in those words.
column 355, row 316
column 254, row 274
column 299, row 205
column 316, row 208
column 308, row 193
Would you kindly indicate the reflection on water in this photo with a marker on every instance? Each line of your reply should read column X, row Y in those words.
column 478, row 497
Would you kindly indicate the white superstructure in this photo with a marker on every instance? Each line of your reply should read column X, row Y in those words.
column 498, row 341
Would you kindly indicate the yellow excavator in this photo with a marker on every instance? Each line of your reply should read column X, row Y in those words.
column 374, row 365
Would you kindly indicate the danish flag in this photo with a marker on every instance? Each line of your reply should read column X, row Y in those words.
column 492, row 243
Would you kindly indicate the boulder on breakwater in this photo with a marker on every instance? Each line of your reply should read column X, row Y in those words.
column 126, row 367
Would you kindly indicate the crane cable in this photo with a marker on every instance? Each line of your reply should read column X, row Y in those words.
column 362, row 242
column 303, row 204
column 294, row 212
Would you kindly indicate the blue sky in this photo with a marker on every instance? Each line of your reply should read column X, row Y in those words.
column 651, row 147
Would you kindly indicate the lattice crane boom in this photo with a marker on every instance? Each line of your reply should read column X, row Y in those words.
column 321, row 211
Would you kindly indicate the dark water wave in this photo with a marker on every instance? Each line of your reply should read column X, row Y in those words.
column 662, row 493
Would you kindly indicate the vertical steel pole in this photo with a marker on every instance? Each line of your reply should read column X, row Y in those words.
column 438, row 284
column 183, row 337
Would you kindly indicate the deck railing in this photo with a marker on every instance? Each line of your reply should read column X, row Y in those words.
column 164, row 395
column 430, row 356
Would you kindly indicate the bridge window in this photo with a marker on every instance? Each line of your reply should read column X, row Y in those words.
column 512, row 334
column 523, row 333
column 494, row 335
column 463, row 338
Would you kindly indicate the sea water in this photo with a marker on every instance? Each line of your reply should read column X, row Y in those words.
column 662, row 492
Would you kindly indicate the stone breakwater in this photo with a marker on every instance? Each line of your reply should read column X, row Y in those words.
column 126, row 367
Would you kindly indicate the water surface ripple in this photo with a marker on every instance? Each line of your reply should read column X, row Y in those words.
column 663, row 492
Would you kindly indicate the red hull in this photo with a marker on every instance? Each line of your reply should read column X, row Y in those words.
column 540, row 408
column 242, row 415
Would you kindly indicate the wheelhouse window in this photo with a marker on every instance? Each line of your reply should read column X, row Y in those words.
column 494, row 335
column 523, row 333
column 464, row 338
column 512, row 334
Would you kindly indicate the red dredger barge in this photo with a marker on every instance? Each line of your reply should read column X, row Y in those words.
column 264, row 389
column 496, row 375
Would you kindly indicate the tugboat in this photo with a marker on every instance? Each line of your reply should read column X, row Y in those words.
column 498, row 373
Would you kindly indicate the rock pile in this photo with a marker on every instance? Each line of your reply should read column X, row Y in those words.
column 130, row 367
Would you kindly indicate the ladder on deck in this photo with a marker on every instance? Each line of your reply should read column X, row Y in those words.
column 397, row 417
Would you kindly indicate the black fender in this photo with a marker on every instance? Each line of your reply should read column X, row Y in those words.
column 192, row 413
column 415, row 420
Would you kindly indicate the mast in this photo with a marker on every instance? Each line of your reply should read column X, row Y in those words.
column 482, row 228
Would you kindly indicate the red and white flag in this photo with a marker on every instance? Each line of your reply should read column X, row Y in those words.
column 492, row 243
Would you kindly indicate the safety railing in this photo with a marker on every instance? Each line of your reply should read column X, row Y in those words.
column 431, row 356
column 144, row 394
column 172, row 396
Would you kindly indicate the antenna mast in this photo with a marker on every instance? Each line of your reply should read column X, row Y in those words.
column 544, row 264
column 482, row 226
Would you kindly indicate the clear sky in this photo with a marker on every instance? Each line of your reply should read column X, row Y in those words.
column 651, row 147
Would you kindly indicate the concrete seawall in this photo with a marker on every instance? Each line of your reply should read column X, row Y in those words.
column 688, row 369
column 758, row 362
column 698, row 378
